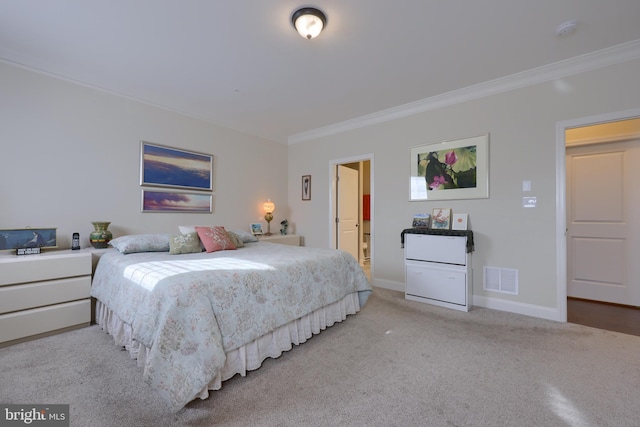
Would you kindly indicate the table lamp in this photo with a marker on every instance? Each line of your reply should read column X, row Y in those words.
column 268, row 207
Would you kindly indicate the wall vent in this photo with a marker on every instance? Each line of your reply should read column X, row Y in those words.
column 504, row 280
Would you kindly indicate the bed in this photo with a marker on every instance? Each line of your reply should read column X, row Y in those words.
column 194, row 320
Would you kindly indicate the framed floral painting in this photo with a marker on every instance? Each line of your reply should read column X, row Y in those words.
column 448, row 170
column 441, row 219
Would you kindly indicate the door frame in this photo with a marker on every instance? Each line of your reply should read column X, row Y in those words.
column 561, row 197
column 333, row 202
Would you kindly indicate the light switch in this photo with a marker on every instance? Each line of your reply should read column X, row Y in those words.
column 526, row 185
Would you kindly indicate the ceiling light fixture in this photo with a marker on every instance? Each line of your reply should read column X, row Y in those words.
column 309, row 22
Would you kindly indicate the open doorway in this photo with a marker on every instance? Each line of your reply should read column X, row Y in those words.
column 351, row 209
column 602, row 225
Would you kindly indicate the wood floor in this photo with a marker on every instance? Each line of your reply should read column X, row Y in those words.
column 606, row 316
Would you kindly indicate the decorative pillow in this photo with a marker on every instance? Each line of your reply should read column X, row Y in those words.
column 186, row 229
column 141, row 243
column 184, row 244
column 215, row 238
column 246, row 236
column 237, row 241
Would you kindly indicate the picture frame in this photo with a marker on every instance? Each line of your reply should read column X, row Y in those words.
column 421, row 221
column 19, row 238
column 163, row 166
column 306, row 187
column 441, row 219
column 460, row 222
column 176, row 202
column 448, row 170
column 256, row 229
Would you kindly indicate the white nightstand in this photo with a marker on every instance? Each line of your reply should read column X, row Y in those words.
column 95, row 255
column 43, row 294
column 286, row 239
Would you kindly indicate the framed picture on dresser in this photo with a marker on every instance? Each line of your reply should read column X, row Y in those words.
column 28, row 238
column 256, row 229
column 441, row 219
column 460, row 222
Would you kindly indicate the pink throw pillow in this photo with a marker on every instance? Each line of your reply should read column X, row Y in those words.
column 215, row 238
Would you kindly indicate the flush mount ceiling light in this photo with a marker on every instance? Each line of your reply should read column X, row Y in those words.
column 309, row 22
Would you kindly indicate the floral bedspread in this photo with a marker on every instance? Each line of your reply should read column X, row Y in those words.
column 190, row 309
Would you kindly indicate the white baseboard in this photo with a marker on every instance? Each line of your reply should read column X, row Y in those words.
column 388, row 284
column 488, row 302
column 517, row 307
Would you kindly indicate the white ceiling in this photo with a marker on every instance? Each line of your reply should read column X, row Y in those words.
column 240, row 63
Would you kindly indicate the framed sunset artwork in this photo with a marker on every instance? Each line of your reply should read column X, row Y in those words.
column 173, row 167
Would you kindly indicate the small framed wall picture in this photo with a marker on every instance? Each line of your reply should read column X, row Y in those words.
column 441, row 219
column 421, row 221
column 459, row 222
column 256, row 229
column 306, row 187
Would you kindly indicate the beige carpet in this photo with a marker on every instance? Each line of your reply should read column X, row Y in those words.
column 396, row 363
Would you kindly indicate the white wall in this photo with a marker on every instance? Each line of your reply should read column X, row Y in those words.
column 71, row 155
column 522, row 146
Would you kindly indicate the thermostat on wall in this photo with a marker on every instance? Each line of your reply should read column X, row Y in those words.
column 529, row 202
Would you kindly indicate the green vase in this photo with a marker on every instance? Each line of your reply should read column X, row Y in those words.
column 100, row 237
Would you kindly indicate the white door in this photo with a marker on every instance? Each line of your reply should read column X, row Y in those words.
column 348, row 210
column 603, row 232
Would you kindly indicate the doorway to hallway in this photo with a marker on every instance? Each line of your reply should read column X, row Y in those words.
column 603, row 289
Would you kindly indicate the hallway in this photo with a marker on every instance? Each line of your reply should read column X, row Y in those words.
column 611, row 317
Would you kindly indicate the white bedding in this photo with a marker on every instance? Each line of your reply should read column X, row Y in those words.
column 195, row 320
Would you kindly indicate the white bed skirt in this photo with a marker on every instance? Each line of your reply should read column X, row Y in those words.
column 249, row 356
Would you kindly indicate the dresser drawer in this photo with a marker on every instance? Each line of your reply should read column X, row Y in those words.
column 38, row 294
column 445, row 249
column 436, row 282
column 25, row 323
column 34, row 268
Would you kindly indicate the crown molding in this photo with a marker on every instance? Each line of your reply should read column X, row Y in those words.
column 624, row 52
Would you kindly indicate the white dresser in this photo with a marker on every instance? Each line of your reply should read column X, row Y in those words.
column 438, row 270
column 283, row 239
column 43, row 294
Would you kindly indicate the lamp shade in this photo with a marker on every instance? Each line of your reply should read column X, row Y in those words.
column 269, row 206
column 309, row 22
